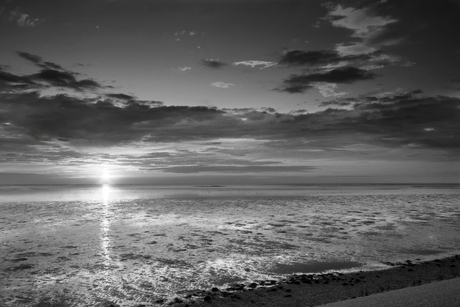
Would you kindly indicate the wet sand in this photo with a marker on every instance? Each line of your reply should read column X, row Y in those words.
column 318, row 289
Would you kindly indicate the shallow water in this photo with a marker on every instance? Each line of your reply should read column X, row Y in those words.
column 89, row 246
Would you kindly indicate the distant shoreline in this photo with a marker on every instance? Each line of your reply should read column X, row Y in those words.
column 248, row 185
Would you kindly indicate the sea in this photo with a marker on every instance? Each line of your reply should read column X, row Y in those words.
column 77, row 245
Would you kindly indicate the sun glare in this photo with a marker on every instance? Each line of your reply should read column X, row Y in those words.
column 105, row 177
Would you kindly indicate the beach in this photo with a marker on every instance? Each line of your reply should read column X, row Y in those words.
column 319, row 289
column 149, row 246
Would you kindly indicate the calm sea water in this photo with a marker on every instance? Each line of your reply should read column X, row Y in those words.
column 131, row 245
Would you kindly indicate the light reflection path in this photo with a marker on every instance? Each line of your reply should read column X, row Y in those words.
column 105, row 226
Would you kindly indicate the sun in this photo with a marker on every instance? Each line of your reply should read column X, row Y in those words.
column 105, row 176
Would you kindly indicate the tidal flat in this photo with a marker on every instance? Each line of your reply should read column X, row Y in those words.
column 132, row 246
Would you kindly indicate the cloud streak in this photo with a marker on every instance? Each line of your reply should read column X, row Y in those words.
column 235, row 169
column 300, row 83
column 255, row 63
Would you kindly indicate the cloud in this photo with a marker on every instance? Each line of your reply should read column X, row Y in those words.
column 354, row 49
column 83, row 133
column 221, row 84
column 12, row 82
column 38, row 61
column 184, row 68
column 211, row 63
column 344, row 55
column 234, row 169
column 362, row 22
column 30, row 57
column 20, row 18
column 310, row 58
column 64, row 80
column 328, row 89
column 189, row 33
column 374, row 97
column 51, row 75
column 391, row 121
column 77, row 131
column 254, row 63
column 301, row 83
column 72, row 118
column 121, row 96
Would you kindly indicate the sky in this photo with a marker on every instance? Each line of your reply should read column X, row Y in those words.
column 229, row 92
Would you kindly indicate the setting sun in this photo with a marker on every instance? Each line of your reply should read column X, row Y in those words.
column 105, row 177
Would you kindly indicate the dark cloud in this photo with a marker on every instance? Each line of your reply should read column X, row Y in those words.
column 62, row 116
column 35, row 59
column 301, row 83
column 64, row 79
column 392, row 121
column 351, row 54
column 38, row 61
column 269, row 110
column 12, row 82
column 322, row 57
column 51, row 65
column 120, row 96
column 211, row 63
column 51, row 75
column 340, row 102
column 300, row 57
column 366, row 99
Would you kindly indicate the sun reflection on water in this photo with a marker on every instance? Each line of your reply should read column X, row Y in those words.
column 105, row 225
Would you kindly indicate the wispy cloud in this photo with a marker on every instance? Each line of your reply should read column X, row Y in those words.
column 184, row 68
column 255, row 63
column 19, row 17
column 188, row 33
column 221, row 84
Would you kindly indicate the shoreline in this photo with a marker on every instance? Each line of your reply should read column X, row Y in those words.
column 319, row 289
